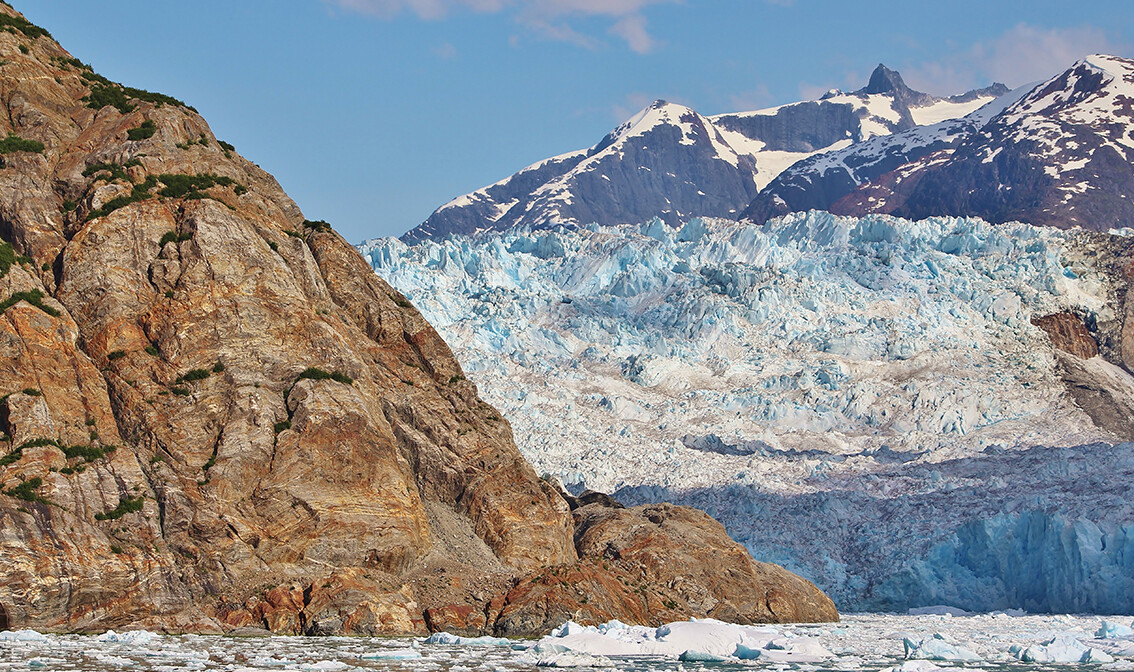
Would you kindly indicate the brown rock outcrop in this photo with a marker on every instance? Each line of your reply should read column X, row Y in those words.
column 218, row 418
column 1068, row 333
column 654, row 564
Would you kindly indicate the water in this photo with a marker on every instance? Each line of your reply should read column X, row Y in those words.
column 859, row 642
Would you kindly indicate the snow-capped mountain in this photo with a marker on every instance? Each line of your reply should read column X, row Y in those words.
column 1061, row 155
column 819, row 181
column 670, row 162
column 827, row 386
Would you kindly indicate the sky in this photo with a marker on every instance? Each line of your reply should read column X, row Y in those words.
column 373, row 113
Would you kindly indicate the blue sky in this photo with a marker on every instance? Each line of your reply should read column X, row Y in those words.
column 372, row 113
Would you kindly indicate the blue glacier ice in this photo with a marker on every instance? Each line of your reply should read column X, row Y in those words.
column 863, row 400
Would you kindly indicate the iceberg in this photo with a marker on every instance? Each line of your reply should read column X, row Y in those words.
column 936, row 648
column 1111, row 630
column 1064, row 648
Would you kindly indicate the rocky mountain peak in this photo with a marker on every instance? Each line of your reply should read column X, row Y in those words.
column 885, row 80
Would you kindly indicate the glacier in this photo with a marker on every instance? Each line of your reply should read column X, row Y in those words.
column 863, row 400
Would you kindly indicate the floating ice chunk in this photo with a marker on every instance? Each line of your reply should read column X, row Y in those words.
column 1063, row 648
column 114, row 660
column 918, row 666
column 609, row 626
column 1111, row 630
column 572, row 659
column 698, row 656
column 936, row 610
column 133, row 637
column 936, row 648
column 270, row 661
column 22, row 636
column 324, row 666
column 392, row 654
column 1097, row 656
column 713, row 636
column 795, row 650
column 571, row 628
column 455, row 640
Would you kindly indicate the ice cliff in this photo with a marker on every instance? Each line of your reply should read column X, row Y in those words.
column 863, row 400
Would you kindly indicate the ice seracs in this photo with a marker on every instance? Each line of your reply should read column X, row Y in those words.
column 821, row 384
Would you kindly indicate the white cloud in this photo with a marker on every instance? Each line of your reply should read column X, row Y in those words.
column 549, row 19
column 1021, row 55
column 632, row 28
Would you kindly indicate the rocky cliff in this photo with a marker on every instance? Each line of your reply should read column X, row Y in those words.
column 217, row 417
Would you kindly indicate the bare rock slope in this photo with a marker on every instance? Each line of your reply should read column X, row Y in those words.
column 215, row 416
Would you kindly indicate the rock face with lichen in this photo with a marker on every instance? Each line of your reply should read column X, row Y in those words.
column 217, row 417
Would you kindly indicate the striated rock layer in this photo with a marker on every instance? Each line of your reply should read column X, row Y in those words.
column 217, row 417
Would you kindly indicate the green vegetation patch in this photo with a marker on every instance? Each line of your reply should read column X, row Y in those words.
column 19, row 23
column 190, row 186
column 34, row 297
column 117, row 354
column 27, row 491
column 174, row 237
column 152, row 350
column 140, row 192
column 125, row 505
column 115, row 171
column 14, row 143
column 195, row 374
column 315, row 373
column 87, row 453
column 12, row 457
column 278, row 427
column 105, row 92
column 7, row 258
column 146, row 130
column 317, row 225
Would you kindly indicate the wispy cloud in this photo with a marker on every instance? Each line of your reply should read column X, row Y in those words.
column 1023, row 54
column 548, row 19
column 445, row 51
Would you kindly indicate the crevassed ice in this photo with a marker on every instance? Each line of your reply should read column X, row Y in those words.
column 864, row 400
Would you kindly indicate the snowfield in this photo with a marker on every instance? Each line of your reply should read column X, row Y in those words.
column 864, row 401
column 904, row 643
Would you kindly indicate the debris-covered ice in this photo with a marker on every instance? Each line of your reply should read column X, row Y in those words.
column 869, row 642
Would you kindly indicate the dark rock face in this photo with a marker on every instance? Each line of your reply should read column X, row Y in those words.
column 803, row 127
column 670, row 162
column 213, row 416
column 1061, row 156
column 476, row 210
column 829, row 181
column 1068, row 333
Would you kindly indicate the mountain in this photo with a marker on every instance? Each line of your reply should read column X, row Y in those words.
column 819, row 181
column 908, row 413
column 668, row 161
column 1059, row 155
column 216, row 418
